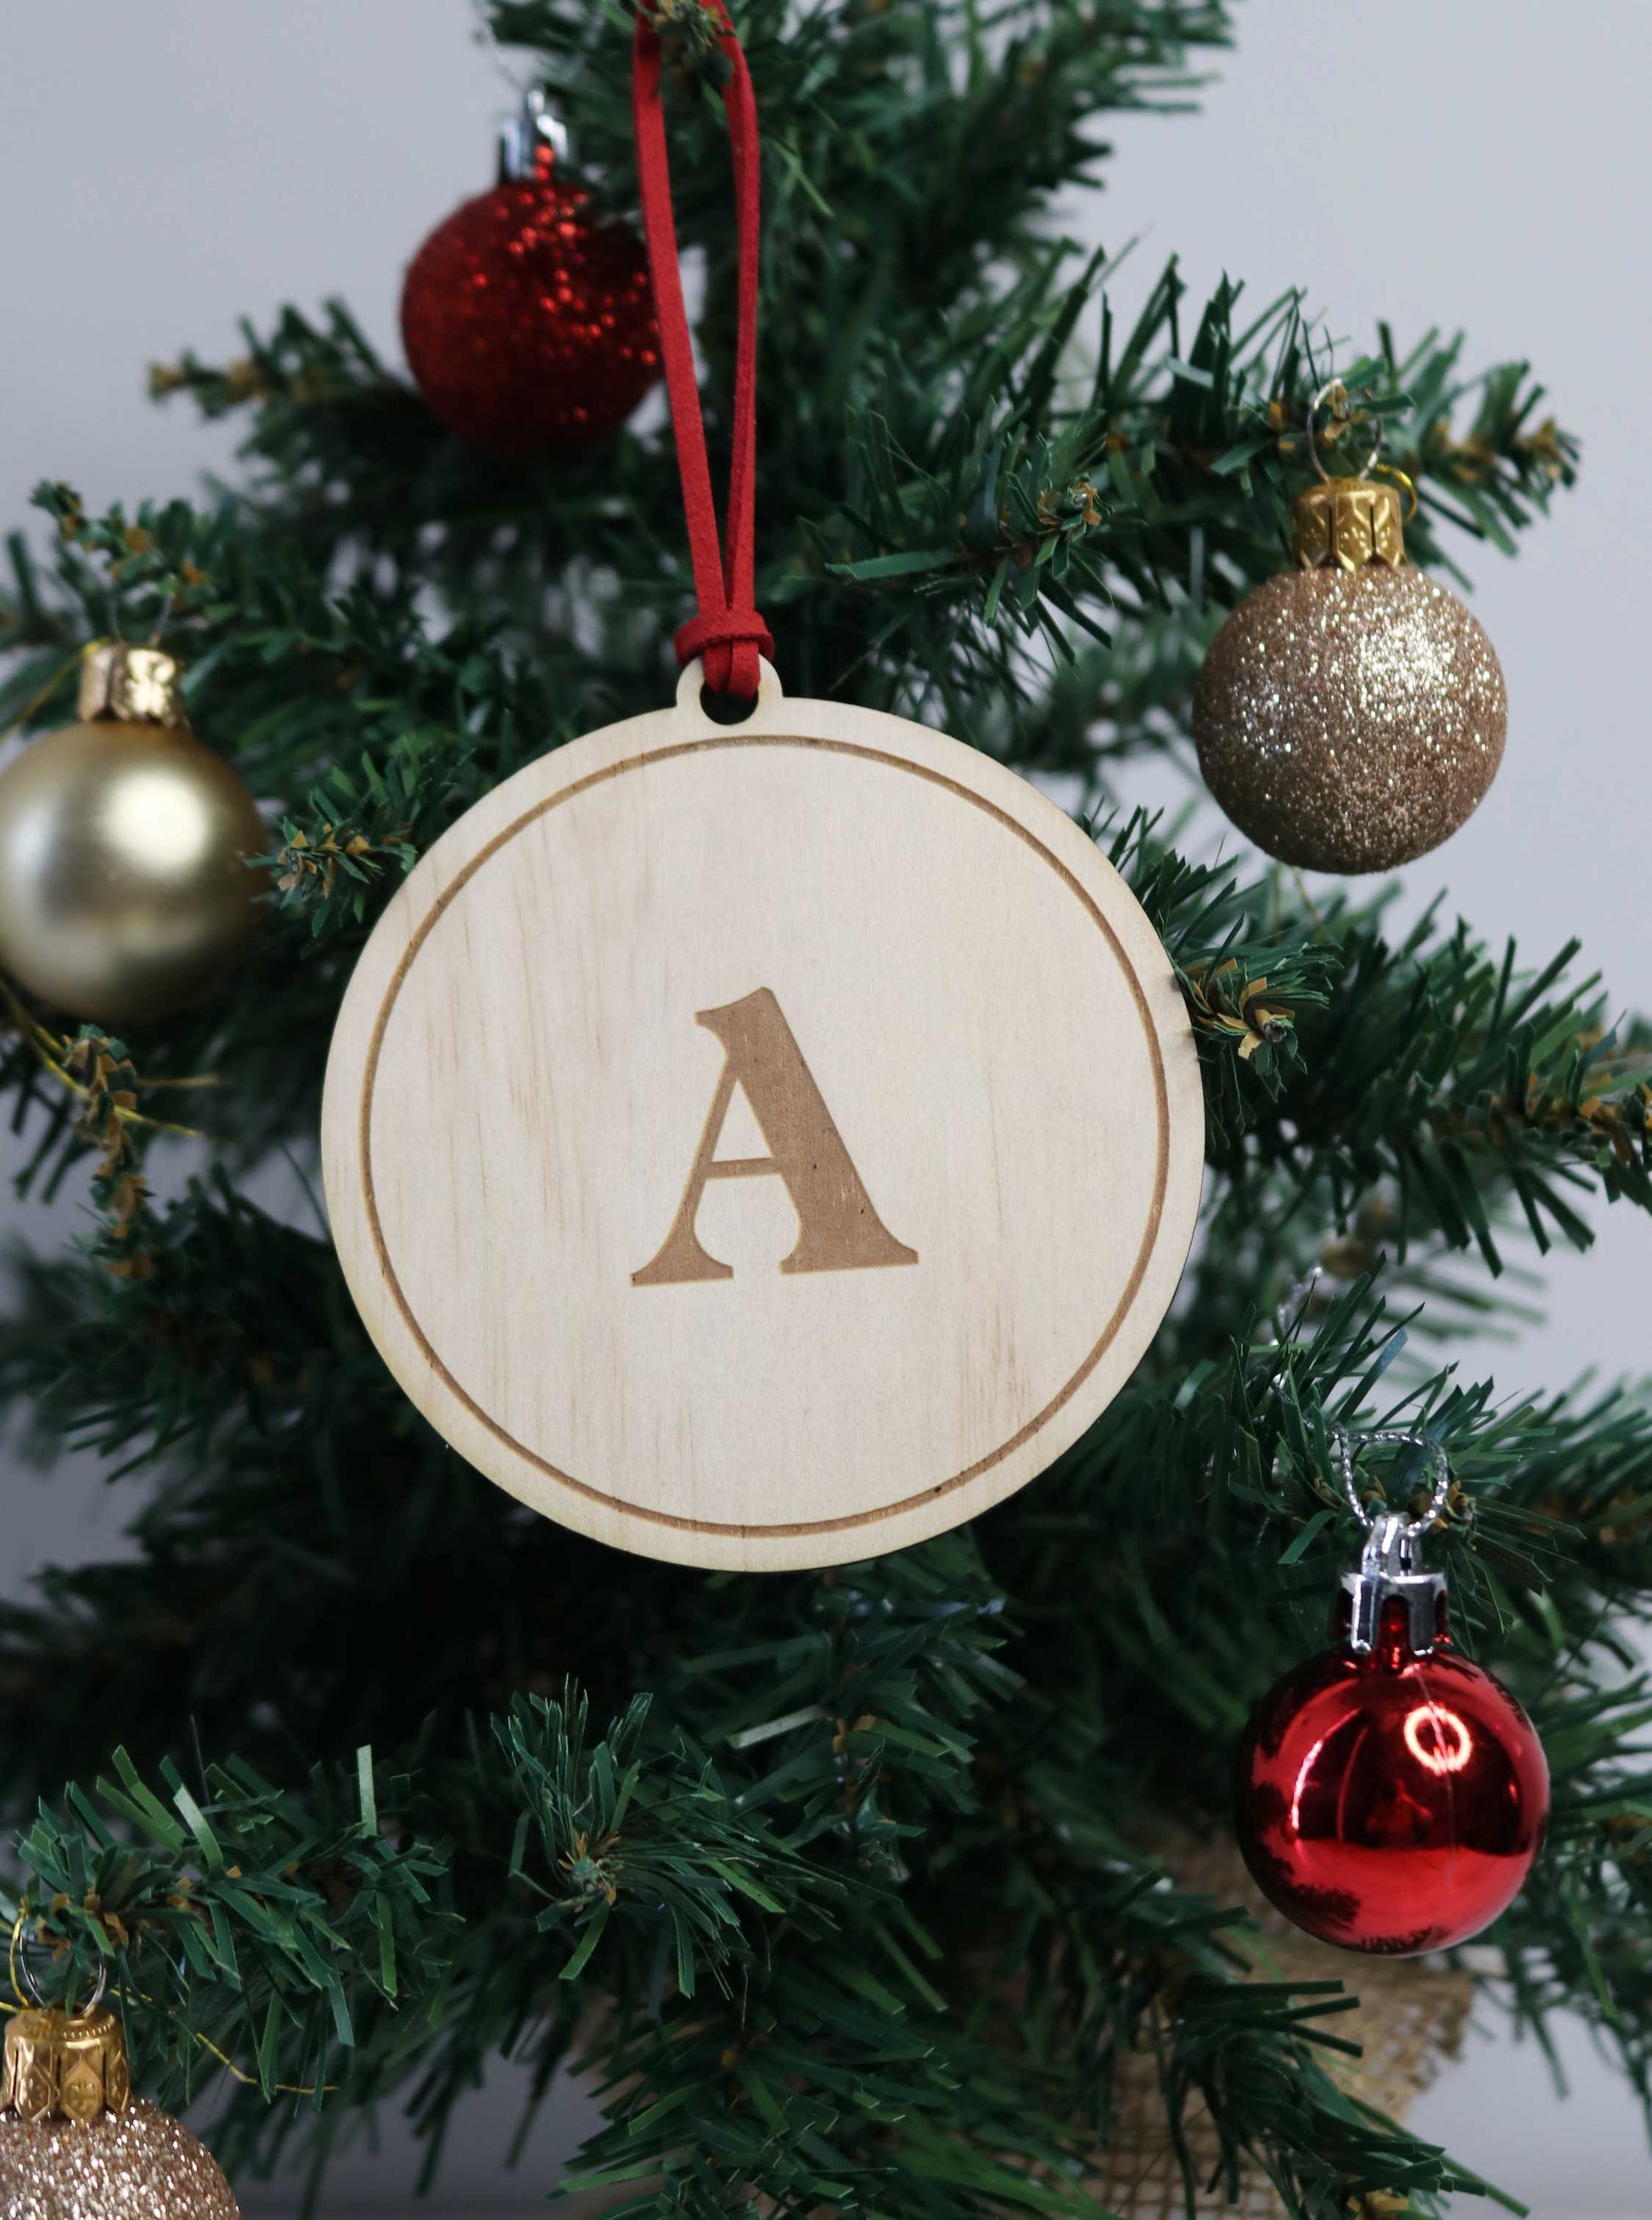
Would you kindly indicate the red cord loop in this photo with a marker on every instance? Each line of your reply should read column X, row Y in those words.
column 727, row 633
column 731, row 654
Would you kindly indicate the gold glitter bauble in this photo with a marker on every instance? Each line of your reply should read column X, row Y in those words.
column 138, row 2165
column 123, row 894
column 1349, row 717
column 73, row 2146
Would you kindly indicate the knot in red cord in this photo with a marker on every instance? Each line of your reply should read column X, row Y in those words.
column 730, row 642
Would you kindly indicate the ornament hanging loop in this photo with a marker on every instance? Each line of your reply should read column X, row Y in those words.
column 1391, row 1570
column 727, row 634
column 1404, row 480
column 27, row 1990
column 1346, row 1451
column 1330, row 386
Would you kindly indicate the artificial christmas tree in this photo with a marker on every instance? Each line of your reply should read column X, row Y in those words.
column 861, row 1902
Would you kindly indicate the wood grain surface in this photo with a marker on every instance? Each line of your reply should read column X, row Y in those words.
column 763, row 1145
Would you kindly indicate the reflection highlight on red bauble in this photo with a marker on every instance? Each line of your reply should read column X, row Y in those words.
column 1392, row 1802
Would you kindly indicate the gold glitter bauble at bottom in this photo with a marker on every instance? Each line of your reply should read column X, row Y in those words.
column 1350, row 721
column 139, row 2165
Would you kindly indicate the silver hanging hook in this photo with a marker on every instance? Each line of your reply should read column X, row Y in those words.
column 1345, row 1450
column 1335, row 386
column 1298, row 1297
column 534, row 122
column 25, row 1944
column 488, row 37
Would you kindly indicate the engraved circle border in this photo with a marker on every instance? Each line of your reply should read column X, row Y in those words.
column 641, row 762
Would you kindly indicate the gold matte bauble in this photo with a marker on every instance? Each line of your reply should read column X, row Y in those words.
column 74, row 2145
column 124, row 895
column 1350, row 714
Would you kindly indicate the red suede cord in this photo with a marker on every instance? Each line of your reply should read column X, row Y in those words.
column 727, row 633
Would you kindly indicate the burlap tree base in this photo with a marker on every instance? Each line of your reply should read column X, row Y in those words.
column 1409, row 2022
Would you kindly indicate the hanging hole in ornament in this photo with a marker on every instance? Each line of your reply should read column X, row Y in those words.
column 728, row 709
column 693, row 694
column 27, row 1990
column 1333, row 385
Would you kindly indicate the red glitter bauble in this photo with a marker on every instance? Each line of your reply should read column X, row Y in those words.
column 1392, row 1802
column 528, row 321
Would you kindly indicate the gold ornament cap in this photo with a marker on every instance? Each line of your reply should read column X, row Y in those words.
column 132, row 686
column 60, row 2069
column 1343, row 524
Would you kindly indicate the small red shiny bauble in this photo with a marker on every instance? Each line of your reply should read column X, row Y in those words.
column 528, row 321
column 1393, row 1802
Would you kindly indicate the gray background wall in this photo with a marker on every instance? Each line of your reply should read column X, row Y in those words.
column 1481, row 162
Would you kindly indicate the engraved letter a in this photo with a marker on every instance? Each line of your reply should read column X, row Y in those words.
column 839, row 1231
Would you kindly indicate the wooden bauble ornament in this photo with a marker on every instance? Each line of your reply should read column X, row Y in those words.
column 763, row 1145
